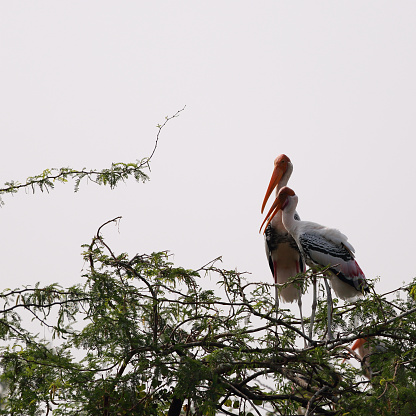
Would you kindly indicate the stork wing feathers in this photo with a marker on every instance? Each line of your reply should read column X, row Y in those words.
column 324, row 248
column 274, row 239
column 330, row 234
column 339, row 257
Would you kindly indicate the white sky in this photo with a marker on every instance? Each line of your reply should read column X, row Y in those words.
column 331, row 84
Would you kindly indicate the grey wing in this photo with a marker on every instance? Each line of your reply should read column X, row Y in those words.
column 323, row 252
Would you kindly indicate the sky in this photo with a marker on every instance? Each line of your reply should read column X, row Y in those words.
column 85, row 83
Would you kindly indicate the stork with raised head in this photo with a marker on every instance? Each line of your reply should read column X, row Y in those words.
column 282, row 252
column 323, row 247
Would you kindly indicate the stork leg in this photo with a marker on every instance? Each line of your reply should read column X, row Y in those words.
column 329, row 305
column 276, row 294
column 301, row 317
column 314, row 304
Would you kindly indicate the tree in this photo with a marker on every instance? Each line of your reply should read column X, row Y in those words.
column 142, row 337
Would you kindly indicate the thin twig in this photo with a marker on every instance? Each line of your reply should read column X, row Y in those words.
column 160, row 127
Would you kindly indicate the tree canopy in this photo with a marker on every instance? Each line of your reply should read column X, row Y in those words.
column 143, row 336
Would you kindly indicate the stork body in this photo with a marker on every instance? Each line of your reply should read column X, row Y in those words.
column 284, row 258
column 283, row 255
column 323, row 247
column 282, row 252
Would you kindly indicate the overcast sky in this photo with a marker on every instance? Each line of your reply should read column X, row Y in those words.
column 330, row 84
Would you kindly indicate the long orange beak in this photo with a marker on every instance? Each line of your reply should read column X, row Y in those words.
column 358, row 343
column 274, row 181
column 277, row 205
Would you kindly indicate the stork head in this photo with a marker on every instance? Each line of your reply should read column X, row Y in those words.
column 279, row 203
column 358, row 344
column 281, row 165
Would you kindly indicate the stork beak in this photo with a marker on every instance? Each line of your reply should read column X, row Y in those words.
column 277, row 205
column 274, row 181
column 358, row 343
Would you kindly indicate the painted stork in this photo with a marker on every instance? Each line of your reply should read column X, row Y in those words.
column 364, row 353
column 323, row 247
column 282, row 252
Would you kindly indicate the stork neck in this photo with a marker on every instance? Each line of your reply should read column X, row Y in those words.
column 285, row 178
column 288, row 214
column 277, row 222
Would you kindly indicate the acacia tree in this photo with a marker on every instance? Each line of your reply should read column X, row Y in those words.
column 143, row 337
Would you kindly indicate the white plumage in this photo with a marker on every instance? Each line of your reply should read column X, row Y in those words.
column 322, row 246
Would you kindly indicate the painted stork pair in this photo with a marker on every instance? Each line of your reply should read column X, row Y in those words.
column 290, row 243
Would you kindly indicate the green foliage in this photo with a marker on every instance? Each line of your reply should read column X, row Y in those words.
column 152, row 337
column 112, row 176
column 46, row 180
